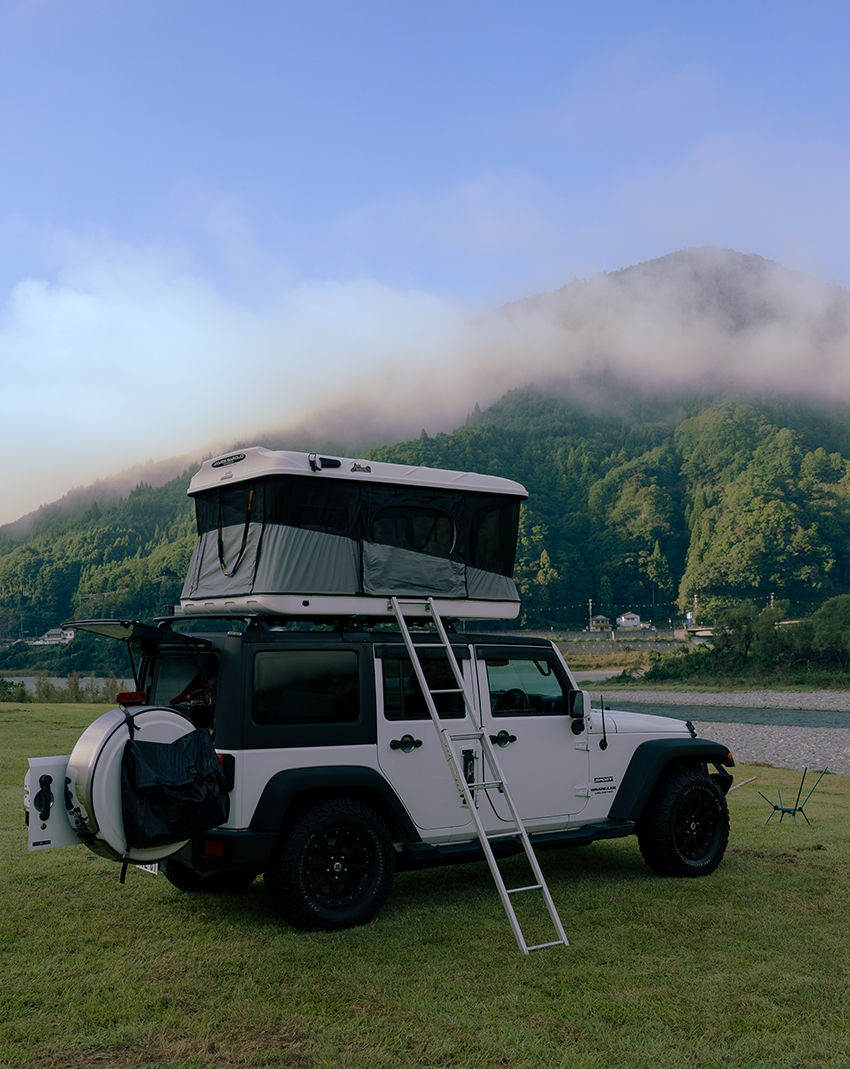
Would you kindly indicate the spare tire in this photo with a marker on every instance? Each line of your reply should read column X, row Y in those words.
column 94, row 778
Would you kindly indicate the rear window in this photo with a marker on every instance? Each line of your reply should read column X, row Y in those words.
column 187, row 681
column 306, row 687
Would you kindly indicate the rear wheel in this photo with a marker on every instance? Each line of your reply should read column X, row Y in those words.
column 684, row 828
column 333, row 866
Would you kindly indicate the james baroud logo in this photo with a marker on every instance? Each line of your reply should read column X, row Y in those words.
column 234, row 458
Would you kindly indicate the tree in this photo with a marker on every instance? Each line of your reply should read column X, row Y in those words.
column 658, row 570
column 534, row 574
column 734, row 632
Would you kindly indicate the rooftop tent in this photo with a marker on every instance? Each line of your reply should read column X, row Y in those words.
column 296, row 534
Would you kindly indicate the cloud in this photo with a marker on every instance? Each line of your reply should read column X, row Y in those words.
column 708, row 318
column 128, row 353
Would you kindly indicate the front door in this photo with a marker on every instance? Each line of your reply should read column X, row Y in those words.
column 525, row 711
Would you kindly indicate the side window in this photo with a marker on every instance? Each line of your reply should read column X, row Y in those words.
column 306, row 687
column 403, row 698
column 186, row 680
column 524, row 686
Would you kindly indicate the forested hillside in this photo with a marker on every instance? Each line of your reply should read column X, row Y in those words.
column 646, row 504
column 127, row 559
column 635, row 502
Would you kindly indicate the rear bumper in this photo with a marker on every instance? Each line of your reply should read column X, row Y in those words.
column 226, row 848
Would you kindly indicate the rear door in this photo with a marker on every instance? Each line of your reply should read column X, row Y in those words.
column 410, row 753
column 525, row 702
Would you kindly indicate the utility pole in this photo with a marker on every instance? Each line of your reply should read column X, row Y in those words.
column 589, row 614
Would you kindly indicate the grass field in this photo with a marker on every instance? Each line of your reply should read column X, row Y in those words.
column 747, row 968
column 584, row 660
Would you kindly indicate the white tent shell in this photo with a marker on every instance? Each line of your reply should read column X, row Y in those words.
column 296, row 534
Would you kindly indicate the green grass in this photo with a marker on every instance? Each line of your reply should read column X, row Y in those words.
column 747, row 968
column 585, row 660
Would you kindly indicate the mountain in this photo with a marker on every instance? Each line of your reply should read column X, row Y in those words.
column 685, row 442
column 698, row 319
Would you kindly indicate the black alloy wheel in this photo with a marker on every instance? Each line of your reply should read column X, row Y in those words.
column 333, row 867
column 684, row 828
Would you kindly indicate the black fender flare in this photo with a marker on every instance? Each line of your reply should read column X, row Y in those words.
column 355, row 780
column 650, row 760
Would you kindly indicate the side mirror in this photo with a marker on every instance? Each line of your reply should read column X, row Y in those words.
column 579, row 704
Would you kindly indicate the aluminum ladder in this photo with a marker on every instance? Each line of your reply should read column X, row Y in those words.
column 492, row 777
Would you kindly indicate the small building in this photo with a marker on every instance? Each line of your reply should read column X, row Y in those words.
column 52, row 637
column 600, row 623
column 630, row 620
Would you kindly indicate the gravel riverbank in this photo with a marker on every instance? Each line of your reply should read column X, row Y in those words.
column 785, row 745
column 837, row 701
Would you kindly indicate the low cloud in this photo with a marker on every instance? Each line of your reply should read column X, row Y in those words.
column 129, row 355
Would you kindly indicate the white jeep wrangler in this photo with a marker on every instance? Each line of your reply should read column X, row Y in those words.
column 327, row 770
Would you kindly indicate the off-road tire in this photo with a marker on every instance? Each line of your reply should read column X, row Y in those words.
column 333, row 866
column 684, row 828
column 186, row 879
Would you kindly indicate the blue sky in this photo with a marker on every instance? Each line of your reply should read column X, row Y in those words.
column 215, row 217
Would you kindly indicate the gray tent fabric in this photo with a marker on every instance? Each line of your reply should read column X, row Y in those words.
column 307, row 562
column 488, row 586
column 206, row 578
column 388, row 570
column 292, row 560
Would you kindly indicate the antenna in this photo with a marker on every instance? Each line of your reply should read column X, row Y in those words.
column 604, row 744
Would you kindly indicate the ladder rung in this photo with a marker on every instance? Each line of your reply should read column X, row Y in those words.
column 485, row 785
column 503, row 835
column 554, row 943
column 447, row 690
column 466, row 736
column 531, row 887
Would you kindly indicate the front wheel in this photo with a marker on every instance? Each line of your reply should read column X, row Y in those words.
column 684, row 829
column 333, row 866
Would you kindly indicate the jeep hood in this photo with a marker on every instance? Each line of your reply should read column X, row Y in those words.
column 645, row 723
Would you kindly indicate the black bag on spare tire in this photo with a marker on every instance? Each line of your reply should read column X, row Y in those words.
column 171, row 791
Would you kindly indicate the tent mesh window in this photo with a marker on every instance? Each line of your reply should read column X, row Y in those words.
column 424, row 530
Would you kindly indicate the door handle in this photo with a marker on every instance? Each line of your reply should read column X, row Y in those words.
column 407, row 744
column 502, row 739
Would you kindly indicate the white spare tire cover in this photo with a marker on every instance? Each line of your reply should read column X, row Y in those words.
column 94, row 772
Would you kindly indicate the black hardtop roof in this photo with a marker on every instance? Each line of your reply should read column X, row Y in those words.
column 131, row 631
